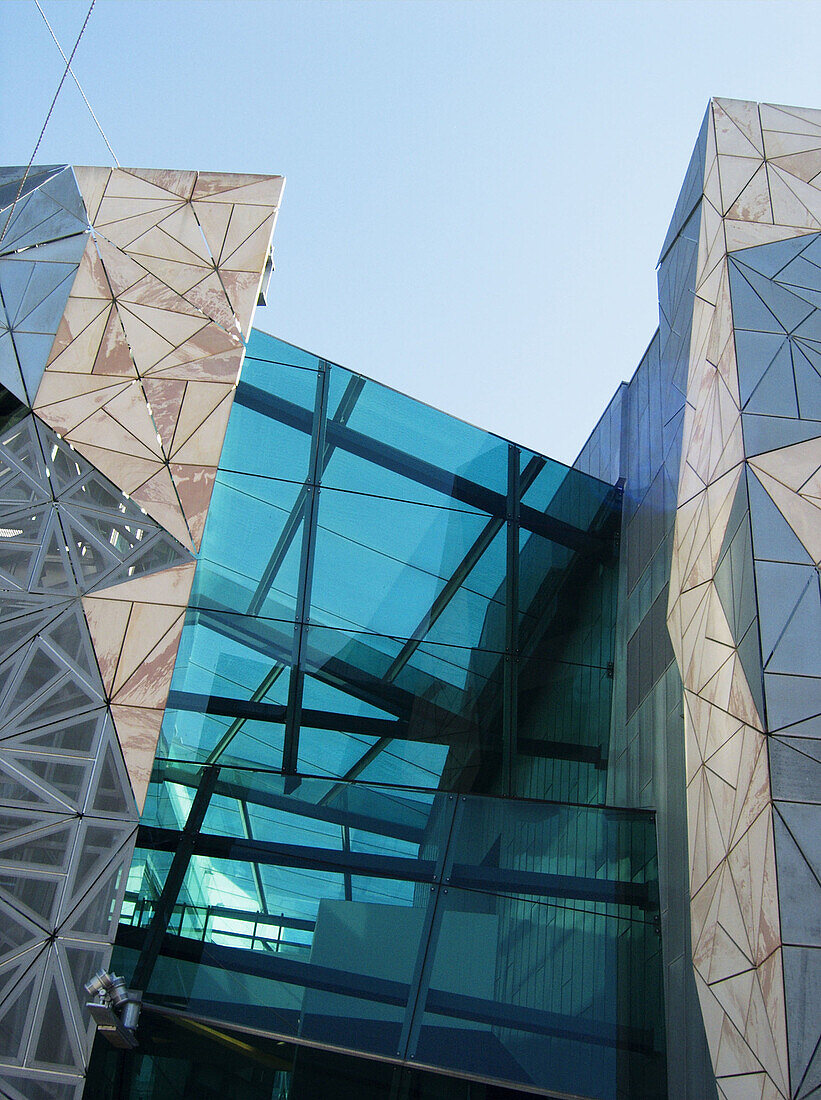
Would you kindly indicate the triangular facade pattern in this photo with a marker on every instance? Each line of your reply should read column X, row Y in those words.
column 125, row 301
column 744, row 594
column 141, row 375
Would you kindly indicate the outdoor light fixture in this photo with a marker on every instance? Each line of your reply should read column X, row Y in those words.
column 115, row 1009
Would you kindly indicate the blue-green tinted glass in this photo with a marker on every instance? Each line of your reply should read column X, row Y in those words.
column 249, row 563
column 392, row 567
column 416, row 441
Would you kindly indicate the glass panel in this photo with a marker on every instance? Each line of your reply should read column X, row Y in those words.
column 557, row 994
column 381, row 565
column 251, row 550
column 416, row 441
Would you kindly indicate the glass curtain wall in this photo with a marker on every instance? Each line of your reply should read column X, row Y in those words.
column 377, row 818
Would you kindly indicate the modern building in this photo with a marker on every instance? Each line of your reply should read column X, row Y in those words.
column 394, row 759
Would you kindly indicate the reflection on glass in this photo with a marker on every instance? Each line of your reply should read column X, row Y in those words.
column 395, row 614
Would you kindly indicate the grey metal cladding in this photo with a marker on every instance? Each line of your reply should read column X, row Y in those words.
column 67, row 811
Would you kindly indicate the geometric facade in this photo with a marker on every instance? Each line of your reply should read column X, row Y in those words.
column 397, row 759
column 744, row 610
column 125, row 333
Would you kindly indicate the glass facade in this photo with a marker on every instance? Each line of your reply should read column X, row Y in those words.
column 378, row 818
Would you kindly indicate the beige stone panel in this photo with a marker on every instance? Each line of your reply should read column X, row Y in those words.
column 152, row 292
column 147, row 626
column 690, row 484
column 752, row 865
column 731, row 918
column 721, row 796
column 136, row 186
column 716, row 627
column 748, row 1086
column 725, row 759
column 721, row 328
column 180, row 277
column 209, row 296
column 788, row 208
column 701, row 332
column 203, row 447
column 148, row 348
column 90, row 280
column 704, row 909
column 200, row 401
column 733, row 994
column 794, row 466
column 803, row 516
column 753, row 204
column 738, row 127
column 138, row 730
column 771, row 980
column 125, row 470
column 735, row 1057
column 213, row 219
column 742, row 703
column 104, row 431
column 700, row 869
column 712, row 1014
column 704, row 922
column 691, row 640
column 806, row 166
column 711, row 233
column 746, row 234
column 246, row 249
column 727, row 958
column 211, row 340
column 159, row 498
column 151, row 677
column 114, row 356
column 130, row 408
column 169, row 586
column 194, row 486
column 790, row 120
column 770, row 1092
column 183, row 226
column 753, row 791
column 728, row 372
column 720, row 496
column 224, row 367
column 243, row 288
column 711, row 671
column 712, row 193
column 693, row 754
column 715, row 844
column 92, row 184
column 735, row 173
column 165, row 396
column 122, row 221
column 709, row 282
column 239, row 188
column 107, row 621
column 759, row 1035
column 174, row 326
column 64, row 412
column 179, row 183
column 160, row 244
column 79, row 335
column 121, row 271
column 780, row 144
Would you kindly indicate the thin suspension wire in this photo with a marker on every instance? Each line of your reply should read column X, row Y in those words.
column 77, row 82
column 48, row 117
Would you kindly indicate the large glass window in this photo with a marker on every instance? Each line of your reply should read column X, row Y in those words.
column 377, row 818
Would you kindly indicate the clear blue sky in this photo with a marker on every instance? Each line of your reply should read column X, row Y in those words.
column 477, row 191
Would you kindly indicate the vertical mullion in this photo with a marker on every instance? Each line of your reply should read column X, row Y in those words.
column 510, row 715
column 293, row 711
